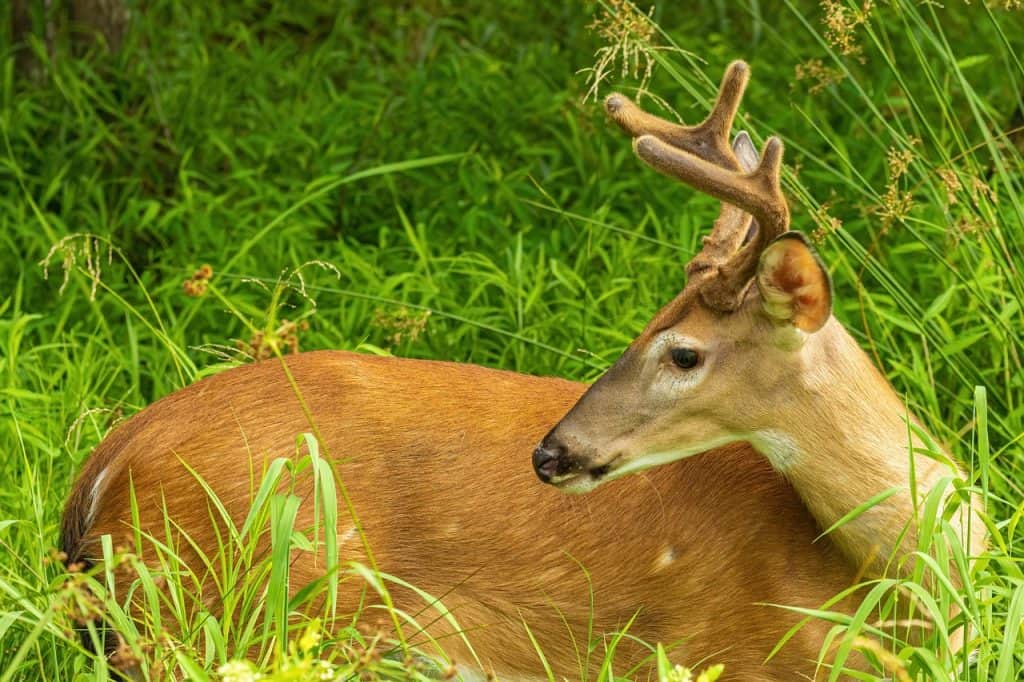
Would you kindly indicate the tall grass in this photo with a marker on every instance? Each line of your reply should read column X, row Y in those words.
column 472, row 207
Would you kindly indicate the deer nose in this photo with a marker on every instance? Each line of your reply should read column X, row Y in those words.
column 546, row 461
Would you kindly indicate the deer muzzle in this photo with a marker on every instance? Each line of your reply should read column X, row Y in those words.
column 556, row 464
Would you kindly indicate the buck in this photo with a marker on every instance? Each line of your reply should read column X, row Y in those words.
column 754, row 417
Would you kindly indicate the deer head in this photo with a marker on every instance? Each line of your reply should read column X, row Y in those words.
column 713, row 364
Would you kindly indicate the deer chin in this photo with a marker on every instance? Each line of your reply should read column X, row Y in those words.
column 578, row 484
column 626, row 465
column 585, row 479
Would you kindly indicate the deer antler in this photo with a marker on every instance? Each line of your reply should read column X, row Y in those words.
column 702, row 157
column 708, row 139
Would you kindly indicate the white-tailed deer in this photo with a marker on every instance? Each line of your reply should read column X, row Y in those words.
column 746, row 365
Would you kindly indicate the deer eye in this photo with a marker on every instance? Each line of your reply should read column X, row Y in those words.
column 685, row 358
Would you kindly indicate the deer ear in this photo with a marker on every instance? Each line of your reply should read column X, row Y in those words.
column 745, row 151
column 793, row 283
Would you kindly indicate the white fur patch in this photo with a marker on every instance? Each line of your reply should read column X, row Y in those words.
column 666, row 558
column 787, row 337
column 346, row 536
column 780, row 450
column 677, row 381
column 94, row 496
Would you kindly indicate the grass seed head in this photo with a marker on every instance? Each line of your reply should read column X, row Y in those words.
column 899, row 161
column 628, row 34
column 401, row 324
column 841, row 24
column 825, row 222
column 196, row 285
column 84, row 250
column 981, row 191
column 951, row 181
column 123, row 658
column 819, row 76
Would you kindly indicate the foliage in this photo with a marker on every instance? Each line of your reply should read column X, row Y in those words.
column 427, row 180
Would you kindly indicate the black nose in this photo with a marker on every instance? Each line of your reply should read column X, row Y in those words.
column 546, row 461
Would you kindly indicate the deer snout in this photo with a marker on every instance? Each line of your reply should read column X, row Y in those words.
column 559, row 464
column 550, row 460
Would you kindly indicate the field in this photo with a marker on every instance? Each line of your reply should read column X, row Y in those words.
column 437, row 180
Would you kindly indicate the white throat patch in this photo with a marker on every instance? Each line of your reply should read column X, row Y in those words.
column 777, row 447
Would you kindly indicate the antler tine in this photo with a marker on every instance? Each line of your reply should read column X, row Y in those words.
column 709, row 139
column 732, row 225
column 702, row 157
column 758, row 193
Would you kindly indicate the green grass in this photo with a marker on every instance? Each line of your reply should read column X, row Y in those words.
column 440, row 158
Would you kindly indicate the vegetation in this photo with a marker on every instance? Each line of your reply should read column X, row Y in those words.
column 429, row 180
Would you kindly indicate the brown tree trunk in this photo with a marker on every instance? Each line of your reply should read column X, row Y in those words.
column 96, row 18
column 80, row 24
column 21, row 29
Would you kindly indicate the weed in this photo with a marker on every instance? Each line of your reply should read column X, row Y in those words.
column 627, row 35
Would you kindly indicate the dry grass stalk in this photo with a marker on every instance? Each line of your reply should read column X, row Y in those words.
column 79, row 249
column 818, row 75
column 841, row 24
column 628, row 35
column 401, row 324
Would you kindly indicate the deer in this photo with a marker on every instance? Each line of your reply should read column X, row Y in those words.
column 682, row 497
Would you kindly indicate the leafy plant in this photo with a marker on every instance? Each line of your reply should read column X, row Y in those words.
column 440, row 158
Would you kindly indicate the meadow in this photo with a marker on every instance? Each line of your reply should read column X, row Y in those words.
column 437, row 180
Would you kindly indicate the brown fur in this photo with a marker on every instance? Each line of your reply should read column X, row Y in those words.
column 436, row 457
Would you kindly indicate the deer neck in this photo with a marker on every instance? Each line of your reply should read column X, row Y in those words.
column 845, row 439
